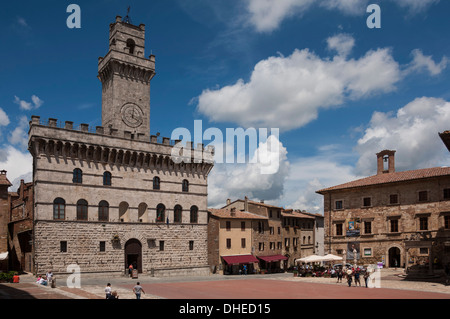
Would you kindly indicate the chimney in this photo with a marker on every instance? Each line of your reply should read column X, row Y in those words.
column 22, row 186
column 228, row 201
column 233, row 211
column 262, row 201
column 385, row 162
column 246, row 204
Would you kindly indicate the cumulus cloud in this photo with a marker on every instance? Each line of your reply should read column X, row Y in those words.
column 412, row 132
column 288, row 92
column 237, row 180
column 341, row 43
column 35, row 103
column 19, row 136
column 421, row 62
column 18, row 164
column 4, row 119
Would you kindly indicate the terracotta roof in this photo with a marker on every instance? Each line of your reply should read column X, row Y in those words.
column 4, row 180
column 226, row 213
column 391, row 178
column 256, row 203
column 296, row 214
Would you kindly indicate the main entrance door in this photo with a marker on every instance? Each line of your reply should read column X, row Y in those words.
column 133, row 254
column 394, row 257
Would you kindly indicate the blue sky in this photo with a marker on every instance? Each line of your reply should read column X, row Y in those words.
column 338, row 91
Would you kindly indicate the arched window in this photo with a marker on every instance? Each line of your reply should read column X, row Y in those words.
column 124, row 212
column 194, row 214
column 160, row 213
column 59, row 208
column 82, row 210
column 177, row 211
column 77, row 176
column 156, row 182
column 107, row 178
column 185, row 187
column 131, row 45
column 103, row 211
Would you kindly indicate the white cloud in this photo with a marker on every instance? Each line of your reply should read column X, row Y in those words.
column 228, row 180
column 24, row 105
column 412, row 132
column 4, row 119
column 421, row 62
column 17, row 164
column 22, row 22
column 342, row 43
column 19, row 136
column 288, row 92
column 415, row 6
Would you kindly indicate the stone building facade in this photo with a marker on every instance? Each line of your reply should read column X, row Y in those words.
column 114, row 195
column 398, row 218
column 5, row 203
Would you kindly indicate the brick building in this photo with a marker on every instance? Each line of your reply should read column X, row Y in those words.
column 398, row 218
column 114, row 195
column 4, row 219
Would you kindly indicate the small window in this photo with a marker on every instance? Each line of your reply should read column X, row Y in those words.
column 447, row 193
column 338, row 204
column 393, row 199
column 107, row 178
column 228, row 243
column 423, row 196
column 367, row 252
column 161, row 245
column 243, row 243
column 102, row 246
column 191, row 245
column 103, row 211
column 447, row 221
column 423, row 223
column 156, row 182
column 394, row 225
column 59, row 207
column 367, row 227
column 194, row 214
column 82, row 210
column 242, row 226
column 177, row 211
column 423, row 251
column 131, row 45
column 77, row 176
column 63, row 246
column 261, row 246
column 160, row 213
column 185, row 186
column 367, row 202
column 338, row 230
column 228, row 225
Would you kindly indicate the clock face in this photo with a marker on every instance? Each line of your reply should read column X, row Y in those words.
column 132, row 115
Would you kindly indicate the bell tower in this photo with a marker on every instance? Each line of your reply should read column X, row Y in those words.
column 125, row 74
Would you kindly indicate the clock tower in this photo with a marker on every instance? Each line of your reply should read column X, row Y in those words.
column 125, row 74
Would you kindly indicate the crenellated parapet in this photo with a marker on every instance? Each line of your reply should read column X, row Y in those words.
column 100, row 145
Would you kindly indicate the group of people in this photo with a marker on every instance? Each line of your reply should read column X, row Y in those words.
column 353, row 274
column 45, row 279
column 137, row 290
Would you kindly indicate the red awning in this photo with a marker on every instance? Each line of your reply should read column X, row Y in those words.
column 273, row 258
column 240, row 259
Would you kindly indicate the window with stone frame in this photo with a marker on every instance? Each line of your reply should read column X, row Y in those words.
column 103, row 211
column 177, row 214
column 446, row 192
column 339, row 231
column 191, row 245
column 243, row 243
column 102, row 246
column 228, row 243
column 59, row 208
column 160, row 213
column 63, row 246
column 423, row 196
column 393, row 199
column 367, row 201
column 185, row 186
column 423, row 223
column 156, row 182
column 107, row 178
column 339, row 204
column 82, row 210
column 447, row 221
column 367, row 227
column 194, row 215
column 393, row 225
column 77, row 176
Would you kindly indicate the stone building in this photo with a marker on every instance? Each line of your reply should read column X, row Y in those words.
column 4, row 219
column 398, row 218
column 268, row 238
column 230, row 240
column 114, row 195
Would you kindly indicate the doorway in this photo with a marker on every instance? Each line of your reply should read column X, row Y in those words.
column 394, row 257
column 133, row 254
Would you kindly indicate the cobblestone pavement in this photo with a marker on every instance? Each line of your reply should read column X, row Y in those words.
column 92, row 286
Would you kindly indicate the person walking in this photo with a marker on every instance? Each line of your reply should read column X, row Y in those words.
column 349, row 277
column 357, row 275
column 137, row 290
column 366, row 277
column 339, row 275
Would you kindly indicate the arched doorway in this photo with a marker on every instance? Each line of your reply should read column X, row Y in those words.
column 133, row 254
column 394, row 257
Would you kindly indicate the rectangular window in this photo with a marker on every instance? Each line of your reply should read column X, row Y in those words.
column 393, row 199
column 102, row 246
column 394, row 225
column 447, row 221
column 286, row 242
column 243, row 226
column 367, row 202
column 270, row 213
column 447, row 193
column 191, row 245
column 423, row 223
column 423, row 196
column 261, row 246
column 279, row 230
column 272, row 230
column 367, row 252
column 423, row 251
column 228, row 243
column 243, row 243
column 272, row 245
column 228, row 225
column 367, row 227
column 261, row 227
column 63, row 246
column 338, row 204
column 279, row 245
column 338, row 229
column 161, row 245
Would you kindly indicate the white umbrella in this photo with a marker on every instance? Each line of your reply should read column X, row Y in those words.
column 331, row 257
column 310, row 259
